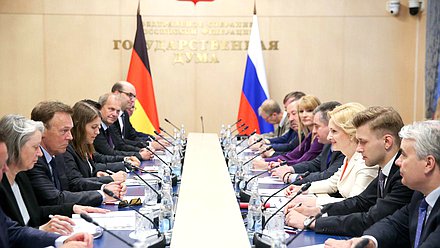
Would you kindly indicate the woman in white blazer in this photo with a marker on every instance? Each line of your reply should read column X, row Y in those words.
column 353, row 176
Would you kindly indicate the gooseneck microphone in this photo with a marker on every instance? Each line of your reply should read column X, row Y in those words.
column 110, row 193
column 163, row 130
column 238, row 134
column 247, row 137
column 164, row 147
column 261, row 173
column 303, row 188
column 134, row 167
column 89, row 219
column 159, row 196
column 203, row 124
column 258, row 154
column 173, row 177
column 305, row 174
column 255, row 142
column 169, row 122
column 236, row 128
column 239, row 120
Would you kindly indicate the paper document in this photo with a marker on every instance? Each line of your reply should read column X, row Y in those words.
column 269, row 180
column 313, row 246
column 118, row 220
column 269, row 192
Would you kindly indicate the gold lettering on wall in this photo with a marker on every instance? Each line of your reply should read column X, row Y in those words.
column 195, row 50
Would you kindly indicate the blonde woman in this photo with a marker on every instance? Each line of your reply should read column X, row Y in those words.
column 309, row 147
column 353, row 176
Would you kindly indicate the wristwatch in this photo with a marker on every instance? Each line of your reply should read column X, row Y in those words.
column 308, row 221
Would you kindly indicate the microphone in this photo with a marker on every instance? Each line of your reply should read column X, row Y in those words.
column 305, row 174
column 255, row 142
column 306, row 227
column 164, row 147
column 169, row 122
column 159, row 235
column 159, row 196
column 303, row 188
column 134, row 167
column 258, row 154
column 261, row 173
column 236, row 122
column 238, row 134
column 247, row 136
column 173, row 177
column 238, row 127
column 89, row 219
column 203, row 125
column 163, row 130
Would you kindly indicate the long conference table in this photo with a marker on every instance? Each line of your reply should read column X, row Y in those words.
column 207, row 213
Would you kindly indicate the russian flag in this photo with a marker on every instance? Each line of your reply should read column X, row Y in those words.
column 255, row 89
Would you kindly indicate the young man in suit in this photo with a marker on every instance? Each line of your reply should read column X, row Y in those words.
column 377, row 132
column 327, row 162
column 418, row 223
column 14, row 235
column 48, row 177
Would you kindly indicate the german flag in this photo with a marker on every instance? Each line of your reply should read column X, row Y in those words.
column 144, row 118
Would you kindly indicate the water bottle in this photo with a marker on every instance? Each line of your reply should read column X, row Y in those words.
column 238, row 179
column 182, row 132
column 278, row 241
column 222, row 133
column 166, row 215
column 165, row 174
column 255, row 214
column 176, row 163
column 143, row 226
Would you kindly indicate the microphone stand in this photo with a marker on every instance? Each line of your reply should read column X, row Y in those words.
column 89, row 219
column 255, row 142
column 173, row 176
column 163, row 130
column 169, row 122
column 159, row 197
column 278, row 191
column 254, row 132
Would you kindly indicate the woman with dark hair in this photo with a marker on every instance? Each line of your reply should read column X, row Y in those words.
column 18, row 198
column 79, row 155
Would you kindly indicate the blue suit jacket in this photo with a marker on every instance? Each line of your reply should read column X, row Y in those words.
column 399, row 229
column 14, row 235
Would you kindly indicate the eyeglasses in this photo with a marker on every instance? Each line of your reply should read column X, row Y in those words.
column 129, row 94
column 133, row 202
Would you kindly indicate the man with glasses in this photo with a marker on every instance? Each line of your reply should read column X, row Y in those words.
column 127, row 94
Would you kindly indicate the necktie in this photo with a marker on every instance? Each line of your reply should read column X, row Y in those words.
column 420, row 221
column 381, row 182
column 329, row 158
column 109, row 138
column 54, row 171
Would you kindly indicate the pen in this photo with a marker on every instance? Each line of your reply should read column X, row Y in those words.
column 298, row 205
column 109, row 172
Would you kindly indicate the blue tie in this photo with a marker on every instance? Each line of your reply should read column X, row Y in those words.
column 420, row 222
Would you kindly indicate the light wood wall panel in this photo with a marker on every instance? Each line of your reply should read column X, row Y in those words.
column 345, row 50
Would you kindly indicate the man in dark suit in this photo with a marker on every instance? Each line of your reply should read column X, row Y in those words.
column 418, row 223
column 377, row 131
column 14, row 235
column 127, row 93
column 48, row 176
column 326, row 163
column 108, row 141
